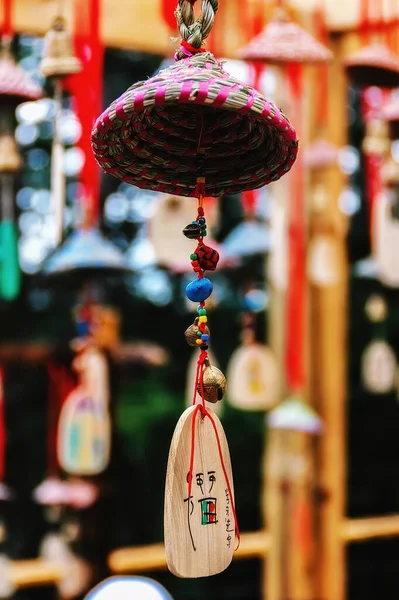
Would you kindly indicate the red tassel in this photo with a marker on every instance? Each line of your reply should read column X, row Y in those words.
column 295, row 351
column 322, row 70
column 7, row 23
column 86, row 89
column 168, row 13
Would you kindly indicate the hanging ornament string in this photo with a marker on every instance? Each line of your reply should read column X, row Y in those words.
column 193, row 33
column 7, row 21
column 86, row 90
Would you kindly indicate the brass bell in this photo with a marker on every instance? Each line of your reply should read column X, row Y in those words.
column 213, row 384
column 10, row 159
column 59, row 59
column 191, row 333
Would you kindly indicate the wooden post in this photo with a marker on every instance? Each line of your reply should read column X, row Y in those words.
column 328, row 347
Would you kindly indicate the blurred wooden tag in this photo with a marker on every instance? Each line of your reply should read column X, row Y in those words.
column 253, row 378
column 84, row 428
column 190, row 382
column 172, row 248
column 386, row 242
column 199, row 524
column 278, row 256
column 323, row 268
column 379, row 367
column 84, row 433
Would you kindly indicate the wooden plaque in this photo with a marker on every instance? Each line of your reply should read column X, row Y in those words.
column 253, row 378
column 200, row 526
column 84, row 435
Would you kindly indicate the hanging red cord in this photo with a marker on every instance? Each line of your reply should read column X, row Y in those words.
column 295, row 344
column 7, row 22
column 168, row 13
column 322, row 70
column 86, row 90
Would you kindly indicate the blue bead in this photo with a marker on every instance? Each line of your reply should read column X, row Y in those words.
column 205, row 337
column 199, row 289
column 194, row 222
column 201, row 221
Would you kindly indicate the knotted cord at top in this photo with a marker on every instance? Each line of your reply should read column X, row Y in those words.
column 194, row 31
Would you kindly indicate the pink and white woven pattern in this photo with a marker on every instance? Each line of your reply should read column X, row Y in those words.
column 15, row 82
column 149, row 136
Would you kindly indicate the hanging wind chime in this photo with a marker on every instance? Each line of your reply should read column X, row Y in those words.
column 374, row 66
column 58, row 61
column 193, row 130
column 16, row 86
column 84, row 428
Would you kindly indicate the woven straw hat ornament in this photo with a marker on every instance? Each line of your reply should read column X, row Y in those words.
column 194, row 119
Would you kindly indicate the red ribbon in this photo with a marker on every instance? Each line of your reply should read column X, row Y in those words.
column 295, row 344
column 3, row 435
column 373, row 162
column 7, row 23
column 322, row 70
column 168, row 13
column 86, row 89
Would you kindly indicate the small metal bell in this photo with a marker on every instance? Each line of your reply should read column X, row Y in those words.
column 58, row 58
column 214, row 384
column 192, row 231
column 191, row 333
column 10, row 159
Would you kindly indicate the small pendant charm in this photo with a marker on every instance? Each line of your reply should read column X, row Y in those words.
column 199, row 521
column 192, row 231
column 207, row 257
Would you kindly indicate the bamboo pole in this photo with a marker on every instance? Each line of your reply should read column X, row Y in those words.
column 329, row 307
column 152, row 558
column 359, row 530
column 30, row 573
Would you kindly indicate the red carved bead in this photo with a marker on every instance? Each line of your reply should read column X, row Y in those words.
column 207, row 258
